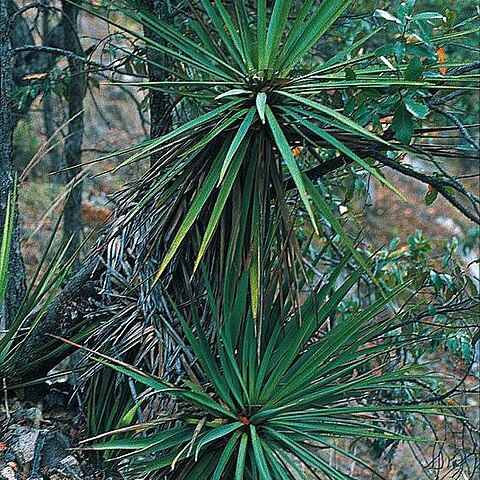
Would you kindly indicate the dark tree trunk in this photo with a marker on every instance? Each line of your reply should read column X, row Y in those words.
column 65, row 36
column 160, row 103
column 16, row 270
column 77, row 87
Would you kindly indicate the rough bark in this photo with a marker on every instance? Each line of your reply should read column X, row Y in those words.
column 16, row 272
column 160, row 103
column 77, row 88
column 70, row 309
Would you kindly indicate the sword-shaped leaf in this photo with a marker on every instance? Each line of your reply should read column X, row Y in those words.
column 223, row 194
column 306, row 37
column 287, row 155
column 276, row 28
column 201, row 198
column 242, row 131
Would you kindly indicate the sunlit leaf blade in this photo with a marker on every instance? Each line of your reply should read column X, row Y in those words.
column 198, row 203
column 261, row 101
column 232, row 93
column 7, row 234
column 242, row 453
column 242, row 131
column 276, row 27
column 291, row 163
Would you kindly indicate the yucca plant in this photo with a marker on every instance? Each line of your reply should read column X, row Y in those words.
column 261, row 384
column 267, row 110
column 269, row 403
column 259, row 97
column 267, row 117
